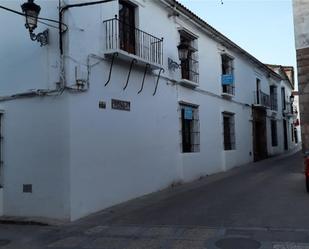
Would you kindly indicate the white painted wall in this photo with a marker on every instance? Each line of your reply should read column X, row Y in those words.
column 36, row 131
column 81, row 159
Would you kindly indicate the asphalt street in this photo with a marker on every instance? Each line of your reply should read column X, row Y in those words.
column 261, row 205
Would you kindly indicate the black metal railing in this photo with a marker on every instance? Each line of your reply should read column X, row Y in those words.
column 261, row 98
column 189, row 70
column 121, row 36
column 290, row 109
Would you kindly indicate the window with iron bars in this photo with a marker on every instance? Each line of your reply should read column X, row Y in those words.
column 190, row 66
column 229, row 142
column 228, row 70
column 273, row 98
column 189, row 128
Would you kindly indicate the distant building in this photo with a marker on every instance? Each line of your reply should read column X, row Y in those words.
column 111, row 113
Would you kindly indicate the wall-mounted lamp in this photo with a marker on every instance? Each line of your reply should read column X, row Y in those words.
column 183, row 51
column 292, row 98
column 31, row 12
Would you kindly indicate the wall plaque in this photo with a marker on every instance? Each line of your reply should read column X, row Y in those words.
column 121, row 105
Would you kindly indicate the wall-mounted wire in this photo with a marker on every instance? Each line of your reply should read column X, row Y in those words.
column 39, row 18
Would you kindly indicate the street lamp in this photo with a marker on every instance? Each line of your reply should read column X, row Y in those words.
column 31, row 12
column 183, row 51
column 292, row 98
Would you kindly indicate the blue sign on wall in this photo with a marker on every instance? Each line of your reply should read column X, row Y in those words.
column 188, row 113
column 227, row 79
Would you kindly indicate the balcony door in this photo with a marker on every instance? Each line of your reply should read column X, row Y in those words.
column 127, row 26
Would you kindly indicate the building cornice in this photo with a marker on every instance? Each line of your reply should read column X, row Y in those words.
column 219, row 37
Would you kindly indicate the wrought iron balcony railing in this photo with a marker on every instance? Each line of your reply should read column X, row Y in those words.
column 290, row 109
column 261, row 99
column 120, row 36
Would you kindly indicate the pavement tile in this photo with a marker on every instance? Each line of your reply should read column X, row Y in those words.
column 95, row 230
column 122, row 231
column 159, row 232
column 198, row 233
column 145, row 244
column 187, row 244
column 290, row 246
column 107, row 243
column 69, row 242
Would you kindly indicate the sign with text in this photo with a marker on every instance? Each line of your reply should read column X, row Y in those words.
column 188, row 113
column 121, row 105
column 227, row 79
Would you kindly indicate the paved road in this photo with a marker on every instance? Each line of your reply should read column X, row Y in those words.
column 265, row 194
column 258, row 206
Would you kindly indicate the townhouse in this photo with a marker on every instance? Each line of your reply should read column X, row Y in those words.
column 125, row 99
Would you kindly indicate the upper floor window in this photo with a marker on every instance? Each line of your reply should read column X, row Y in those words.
column 189, row 66
column 273, row 98
column 227, row 78
column 283, row 101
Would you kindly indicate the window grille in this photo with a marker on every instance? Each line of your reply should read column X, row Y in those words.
column 229, row 141
column 274, row 136
column 189, row 128
column 273, row 98
column 227, row 64
column 190, row 66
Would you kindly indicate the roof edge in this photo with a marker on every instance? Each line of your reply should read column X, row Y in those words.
column 219, row 36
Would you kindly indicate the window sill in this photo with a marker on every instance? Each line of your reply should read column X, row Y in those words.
column 188, row 83
column 190, row 153
column 227, row 95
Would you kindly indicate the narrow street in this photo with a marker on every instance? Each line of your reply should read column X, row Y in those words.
column 261, row 205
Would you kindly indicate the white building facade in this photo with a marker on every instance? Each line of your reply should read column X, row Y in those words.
column 112, row 113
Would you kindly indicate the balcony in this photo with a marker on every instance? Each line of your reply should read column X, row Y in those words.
column 132, row 43
column 261, row 99
column 228, row 88
column 290, row 110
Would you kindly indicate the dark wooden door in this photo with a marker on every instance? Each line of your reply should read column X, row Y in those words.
column 259, row 134
column 285, row 135
column 127, row 26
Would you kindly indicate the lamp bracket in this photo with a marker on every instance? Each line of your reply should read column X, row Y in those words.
column 42, row 37
column 173, row 65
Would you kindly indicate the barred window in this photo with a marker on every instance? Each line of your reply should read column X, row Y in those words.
column 229, row 131
column 274, row 136
column 273, row 98
column 190, row 128
column 190, row 66
column 227, row 63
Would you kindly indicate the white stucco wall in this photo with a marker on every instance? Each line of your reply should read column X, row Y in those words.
column 35, row 131
column 80, row 158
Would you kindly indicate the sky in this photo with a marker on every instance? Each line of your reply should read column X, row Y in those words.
column 264, row 28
